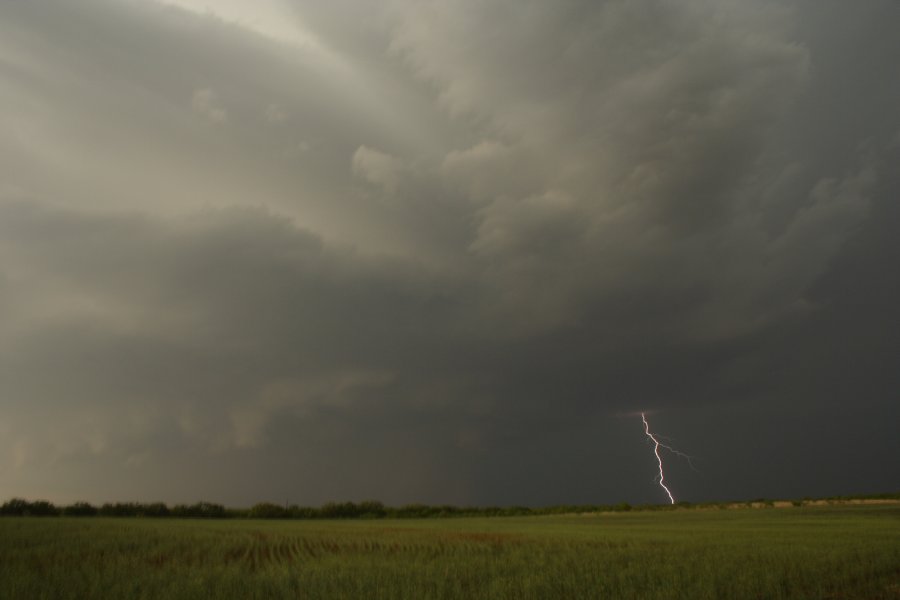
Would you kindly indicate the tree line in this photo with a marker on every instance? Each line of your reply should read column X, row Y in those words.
column 369, row 509
column 42, row 508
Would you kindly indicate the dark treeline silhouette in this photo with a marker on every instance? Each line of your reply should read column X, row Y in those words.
column 42, row 508
column 370, row 509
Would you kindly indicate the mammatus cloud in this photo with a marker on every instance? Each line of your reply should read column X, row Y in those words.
column 417, row 254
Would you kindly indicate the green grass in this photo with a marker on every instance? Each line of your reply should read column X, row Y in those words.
column 810, row 552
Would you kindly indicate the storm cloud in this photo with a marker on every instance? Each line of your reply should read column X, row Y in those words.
column 443, row 251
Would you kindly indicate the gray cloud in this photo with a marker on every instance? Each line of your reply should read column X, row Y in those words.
column 437, row 255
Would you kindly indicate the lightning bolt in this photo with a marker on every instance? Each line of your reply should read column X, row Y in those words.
column 656, row 446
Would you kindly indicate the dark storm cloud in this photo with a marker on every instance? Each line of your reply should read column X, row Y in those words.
column 433, row 253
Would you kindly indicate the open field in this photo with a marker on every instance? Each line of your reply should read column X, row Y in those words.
column 850, row 551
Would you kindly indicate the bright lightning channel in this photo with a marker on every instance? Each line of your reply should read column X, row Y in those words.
column 656, row 446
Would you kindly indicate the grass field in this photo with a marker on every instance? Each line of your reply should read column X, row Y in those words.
column 809, row 552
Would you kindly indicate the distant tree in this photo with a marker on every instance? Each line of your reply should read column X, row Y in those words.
column 24, row 508
column 200, row 510
column 155, row 509
column 80, row 509
column 267, row 510
column 15, row 507
column 347, row 510
column 371, row 509
column 303, row 512
column 121, row 509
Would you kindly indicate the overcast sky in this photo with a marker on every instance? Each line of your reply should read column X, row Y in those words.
column 447, row 251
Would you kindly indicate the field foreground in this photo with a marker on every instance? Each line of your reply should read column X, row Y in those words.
column 810, row 552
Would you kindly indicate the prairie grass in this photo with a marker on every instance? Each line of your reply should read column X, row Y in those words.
column 811, row 552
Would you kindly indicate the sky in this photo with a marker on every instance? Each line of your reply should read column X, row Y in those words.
column 447, row 252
